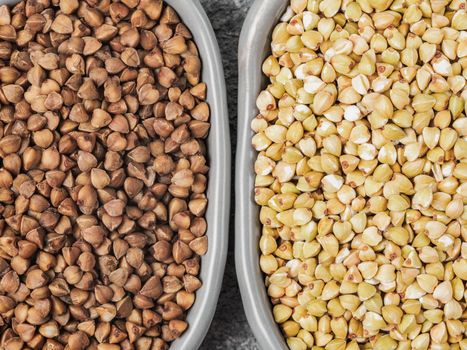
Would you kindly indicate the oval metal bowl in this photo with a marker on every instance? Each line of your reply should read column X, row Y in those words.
column 217, row 215
column 254, row 47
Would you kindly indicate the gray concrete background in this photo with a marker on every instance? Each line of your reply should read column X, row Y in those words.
column 229, row 329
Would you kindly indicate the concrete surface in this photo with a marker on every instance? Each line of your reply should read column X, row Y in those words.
column 229, row 329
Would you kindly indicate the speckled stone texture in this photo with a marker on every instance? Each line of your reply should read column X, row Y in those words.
column 229, row 329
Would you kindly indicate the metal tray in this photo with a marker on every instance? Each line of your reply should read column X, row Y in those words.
column 217, row 215
column 254, row 47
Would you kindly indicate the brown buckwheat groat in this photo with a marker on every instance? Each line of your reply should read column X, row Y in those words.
column 103, row 175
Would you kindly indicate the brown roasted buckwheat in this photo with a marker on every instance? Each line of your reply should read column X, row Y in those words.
column 361, row 174
column 103, row 174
